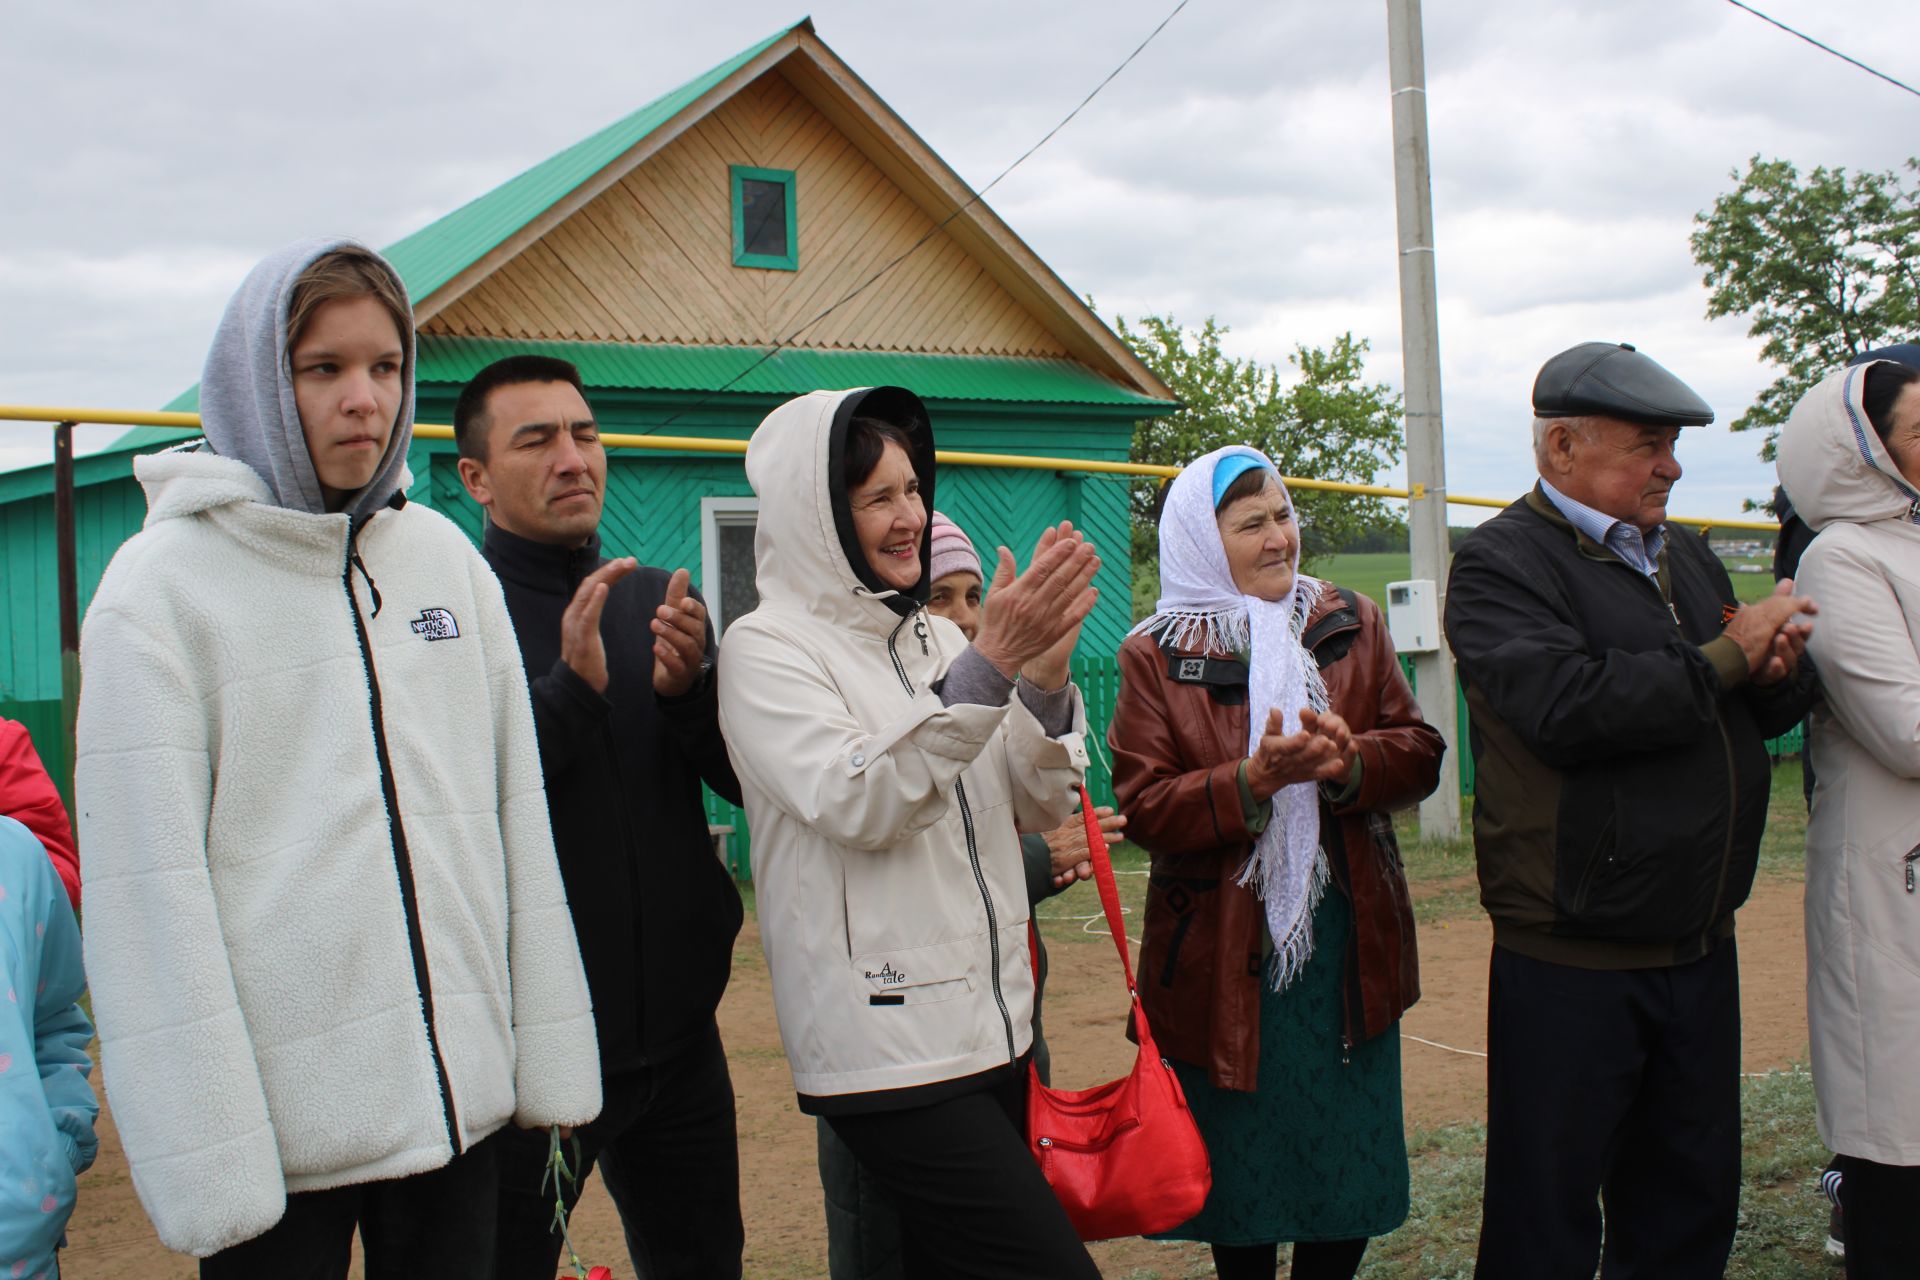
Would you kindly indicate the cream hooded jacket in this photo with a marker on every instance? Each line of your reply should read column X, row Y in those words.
column 325, row 930
column 887, row 870
column 1863, row 914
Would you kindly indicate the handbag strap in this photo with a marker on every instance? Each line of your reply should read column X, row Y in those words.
column 1103, row 880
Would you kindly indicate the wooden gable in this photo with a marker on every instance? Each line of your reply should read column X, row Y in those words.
column 651, row 258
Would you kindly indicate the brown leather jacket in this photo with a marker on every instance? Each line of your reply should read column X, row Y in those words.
column 1177, row 747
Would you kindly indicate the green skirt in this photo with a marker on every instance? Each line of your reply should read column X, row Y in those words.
column 1319, row 1150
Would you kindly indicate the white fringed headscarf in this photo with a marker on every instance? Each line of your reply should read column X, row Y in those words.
column 1200, row 610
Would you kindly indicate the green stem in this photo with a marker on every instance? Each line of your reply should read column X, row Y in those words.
column 558, row 1169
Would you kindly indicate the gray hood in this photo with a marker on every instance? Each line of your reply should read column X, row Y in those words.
column 246, row 391
column 1833, row 464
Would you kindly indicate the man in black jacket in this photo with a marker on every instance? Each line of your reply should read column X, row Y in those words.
column 620, row 666
column 1619, row 697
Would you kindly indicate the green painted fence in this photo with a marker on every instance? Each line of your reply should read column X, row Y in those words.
column 1099, row 681
column 1098, row 678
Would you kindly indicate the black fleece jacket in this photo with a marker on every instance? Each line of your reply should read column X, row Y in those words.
column 655, row 911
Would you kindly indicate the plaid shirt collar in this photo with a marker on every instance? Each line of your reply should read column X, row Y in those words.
column 1642, row 551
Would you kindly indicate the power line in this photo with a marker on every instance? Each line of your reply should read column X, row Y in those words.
column 938, row 227
column 1898, row 84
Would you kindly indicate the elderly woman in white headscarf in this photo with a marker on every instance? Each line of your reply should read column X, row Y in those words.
column 1263, row 732
column 1850, row 462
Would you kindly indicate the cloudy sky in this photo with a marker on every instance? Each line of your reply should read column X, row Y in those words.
column 1242, row 167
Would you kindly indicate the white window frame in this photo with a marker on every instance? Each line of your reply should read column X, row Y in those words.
column 715, row 512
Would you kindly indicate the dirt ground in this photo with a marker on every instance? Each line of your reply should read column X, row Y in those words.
column 110, row 1238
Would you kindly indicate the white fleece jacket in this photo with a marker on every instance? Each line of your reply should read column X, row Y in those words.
column 262, row 1025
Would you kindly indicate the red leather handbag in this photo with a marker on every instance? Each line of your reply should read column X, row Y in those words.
column 1125, row 1158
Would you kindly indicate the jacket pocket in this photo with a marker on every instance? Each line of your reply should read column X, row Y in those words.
column 1598, row 861
column 1385, row 843
column 1175, row 905
column 883, row 992
column 919, row 975
column 1639, row 845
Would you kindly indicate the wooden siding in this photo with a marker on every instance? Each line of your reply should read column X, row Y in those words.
column 651, row 259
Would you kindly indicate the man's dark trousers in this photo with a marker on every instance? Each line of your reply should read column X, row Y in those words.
column 1618, row 1087
column 665, row 1146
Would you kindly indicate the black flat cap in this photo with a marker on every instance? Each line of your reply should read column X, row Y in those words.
column 1612, row 380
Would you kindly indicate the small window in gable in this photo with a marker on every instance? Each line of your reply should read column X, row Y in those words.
column 765, row 224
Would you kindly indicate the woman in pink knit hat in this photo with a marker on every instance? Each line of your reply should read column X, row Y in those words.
column 955, row 574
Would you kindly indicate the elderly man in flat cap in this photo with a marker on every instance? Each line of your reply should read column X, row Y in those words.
column 1619, row 698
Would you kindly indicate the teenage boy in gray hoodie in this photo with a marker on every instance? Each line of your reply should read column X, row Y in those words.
column 330, row 951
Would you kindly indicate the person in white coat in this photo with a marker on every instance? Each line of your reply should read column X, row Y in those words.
column 329, row 945
column 886, row 763
column 1849, row 460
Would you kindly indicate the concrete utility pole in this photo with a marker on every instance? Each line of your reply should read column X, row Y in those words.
column 1420, row 343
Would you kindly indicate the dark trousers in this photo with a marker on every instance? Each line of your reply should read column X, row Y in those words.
column 430, row 1226
column 972, row 1202
column 863, row 1231
column 1614, row 1086
column 665, row 1143
column 1880, row 1211
column 1312, row 1260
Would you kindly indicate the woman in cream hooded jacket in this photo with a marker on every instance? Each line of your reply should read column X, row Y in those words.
column 890, row 885
column 885, row 857
column 1863, row 911
column 325, row 926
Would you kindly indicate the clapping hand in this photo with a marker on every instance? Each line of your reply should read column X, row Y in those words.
column 1772, row 633
column 1322, row 751
column 580, row 645
column 680, row 638
column 1031, row 622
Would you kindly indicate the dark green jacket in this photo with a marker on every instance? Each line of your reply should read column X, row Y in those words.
column 1620, row 777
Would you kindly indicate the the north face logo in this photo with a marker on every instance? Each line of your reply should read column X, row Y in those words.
column 436, row 624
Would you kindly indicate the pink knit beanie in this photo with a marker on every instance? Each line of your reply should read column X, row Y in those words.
column 952, row 551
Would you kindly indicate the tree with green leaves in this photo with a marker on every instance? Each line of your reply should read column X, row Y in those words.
column 1826, row 267
column 1326, row 423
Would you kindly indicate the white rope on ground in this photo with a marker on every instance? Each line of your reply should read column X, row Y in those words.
column 1100, row 916
column 1435, row 1044
column 1798, row 1073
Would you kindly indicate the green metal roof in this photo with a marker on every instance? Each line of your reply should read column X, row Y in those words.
column 441, row 250
column 792, row 371
column 438, row 252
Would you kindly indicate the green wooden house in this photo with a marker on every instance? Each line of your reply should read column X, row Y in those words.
column 666, row 255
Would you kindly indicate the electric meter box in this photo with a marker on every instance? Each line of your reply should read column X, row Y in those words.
column 1413, row 619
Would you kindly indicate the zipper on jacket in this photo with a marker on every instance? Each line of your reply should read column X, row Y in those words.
column 634, row 886
column 1726, row 852
column 1909, row 860
column 402, row 861
column 973, row 855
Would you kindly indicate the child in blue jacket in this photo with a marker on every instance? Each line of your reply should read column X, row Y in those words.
column 47, row 1108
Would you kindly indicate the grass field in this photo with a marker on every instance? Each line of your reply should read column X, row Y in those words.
column 1370, row 572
